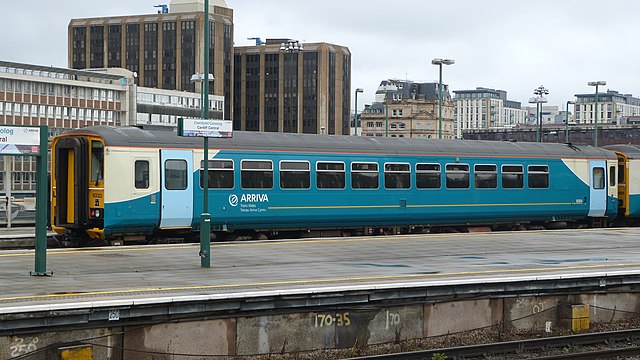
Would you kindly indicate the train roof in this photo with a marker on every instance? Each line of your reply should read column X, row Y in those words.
column 631, row 151
column 271, row 141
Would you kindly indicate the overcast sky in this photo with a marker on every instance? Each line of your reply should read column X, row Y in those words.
column 510, row 45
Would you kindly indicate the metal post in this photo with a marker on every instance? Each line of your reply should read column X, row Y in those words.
column 440, row 103
column 205, row 217
column 537, row 122
column 8, row 184
column 386, row 114
column 41, row 205
column 595, row 130
column 540, row 122
column 566, row 124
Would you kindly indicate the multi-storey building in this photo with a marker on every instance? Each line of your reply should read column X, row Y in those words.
column 164, row 50
column 614, row 108
column 484, row 108
column 408, row 109
column 550, row 114
column 307, row 90
column 63, row 99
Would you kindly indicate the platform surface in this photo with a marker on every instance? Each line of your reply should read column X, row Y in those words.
column 169, row 272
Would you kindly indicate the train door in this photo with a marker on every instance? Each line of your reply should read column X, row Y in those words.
column 176, row 210
column 598, row 188
column 71, row 182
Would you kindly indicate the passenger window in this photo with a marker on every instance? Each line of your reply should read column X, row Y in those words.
column 512, row 176
column 538, row 177
column 612, row 176
column 485, row 176
column 428, row 176
column 397, row 176
column 220, row 174
column 97, row 162
column 141, row 174
column 598, row 178
column 175, row 175
column 364, row 175
column 295, row 175
column 330, row 175
column 457, row 176
column 256, row 174
column 621, row 174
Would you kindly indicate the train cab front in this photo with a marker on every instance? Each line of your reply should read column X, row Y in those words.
column 77, row 166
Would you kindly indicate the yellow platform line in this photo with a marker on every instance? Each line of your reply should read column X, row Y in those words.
column 312, row 281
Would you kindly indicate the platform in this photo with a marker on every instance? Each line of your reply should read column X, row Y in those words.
column 302, row 295
column 165, row 272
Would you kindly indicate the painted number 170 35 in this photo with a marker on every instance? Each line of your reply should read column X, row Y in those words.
column 339, row 319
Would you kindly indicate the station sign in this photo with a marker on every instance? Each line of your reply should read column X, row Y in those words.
column 19, row 140
column 205, row 128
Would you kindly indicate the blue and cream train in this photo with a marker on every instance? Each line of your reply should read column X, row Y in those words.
column 126, row 183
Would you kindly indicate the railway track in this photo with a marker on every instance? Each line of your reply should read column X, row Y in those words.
column 617, row 343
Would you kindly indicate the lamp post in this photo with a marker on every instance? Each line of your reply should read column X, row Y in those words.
column 386, row 114
column 566, row 122
column 290, row 47
column 595, row 129
column 355, row 119
column 441, row 62
column 205, row 217
column 540, row 91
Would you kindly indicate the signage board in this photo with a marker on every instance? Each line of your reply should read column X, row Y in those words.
column 19, row 140
column 205, row 128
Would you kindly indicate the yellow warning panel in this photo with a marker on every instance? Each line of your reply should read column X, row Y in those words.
column 83, row 352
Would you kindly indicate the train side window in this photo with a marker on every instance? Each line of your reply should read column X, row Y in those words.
column 512, row 176
column 397, row 176
column 220, row 174
column 538, row 176
column 428, row 176
column 175, row 175
column 141, row 178
column 364, row 175
column 457, row 176
column 330, row 175
column 612, row 176
column 97, row 161
column 295, row 175
column 256, row 174
column 485, row 176
column 598, row 178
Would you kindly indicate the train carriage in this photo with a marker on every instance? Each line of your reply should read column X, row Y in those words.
column 113, row 183
column 628, row 179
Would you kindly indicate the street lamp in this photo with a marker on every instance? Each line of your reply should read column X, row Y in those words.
column 595, row 129
column 355, row 119
column 441, row 62
column 291, row 47
column 540, row 91
column 566, row 122
column 386, row 114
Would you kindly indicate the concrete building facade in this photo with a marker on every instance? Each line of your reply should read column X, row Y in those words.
column 404, row 108
column 164, row 50
column 64, row 99
column 485, row 108
column 614, row 108
column 303, row 91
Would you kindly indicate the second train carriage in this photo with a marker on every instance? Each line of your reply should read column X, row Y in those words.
column 131, row 184
column 628, row 179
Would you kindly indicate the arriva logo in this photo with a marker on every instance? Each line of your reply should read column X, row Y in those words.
column 233, row 200
column 248, row 198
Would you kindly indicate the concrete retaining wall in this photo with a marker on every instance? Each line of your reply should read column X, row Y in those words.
column 337, row 327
